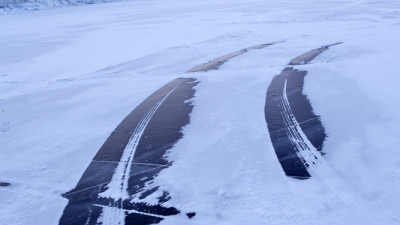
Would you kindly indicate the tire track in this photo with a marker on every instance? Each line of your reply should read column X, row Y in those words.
column 296, row 132
column 118, row 187
column 316, row 164
column 112, row 189
column 307, row 153
column 131, row 157
column 216, row 63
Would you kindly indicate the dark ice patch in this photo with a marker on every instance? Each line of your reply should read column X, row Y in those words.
column 4, row 184
column 85, row 205
column 310, row 124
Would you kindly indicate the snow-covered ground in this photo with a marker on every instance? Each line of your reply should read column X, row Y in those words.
column 7, row 6
column 69, row 76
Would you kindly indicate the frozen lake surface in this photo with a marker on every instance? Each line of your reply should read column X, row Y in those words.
column 69, row 76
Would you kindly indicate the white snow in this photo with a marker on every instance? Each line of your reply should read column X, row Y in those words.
column 68, row 77
column 18, row 6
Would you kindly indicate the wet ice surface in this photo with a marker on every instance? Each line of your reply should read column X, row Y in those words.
column 69, row 76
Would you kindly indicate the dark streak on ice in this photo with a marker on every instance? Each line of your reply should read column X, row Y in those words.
column 309, row 122
column 160, row 135
column 190, row 215
column 4, row 184
column 216, row 63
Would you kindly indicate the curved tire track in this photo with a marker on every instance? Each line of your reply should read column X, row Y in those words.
column 216, row 63
column 296, row 132
column 132, row 156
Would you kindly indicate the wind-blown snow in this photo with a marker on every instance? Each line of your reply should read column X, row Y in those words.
column 69, row 76
column 29, row 5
